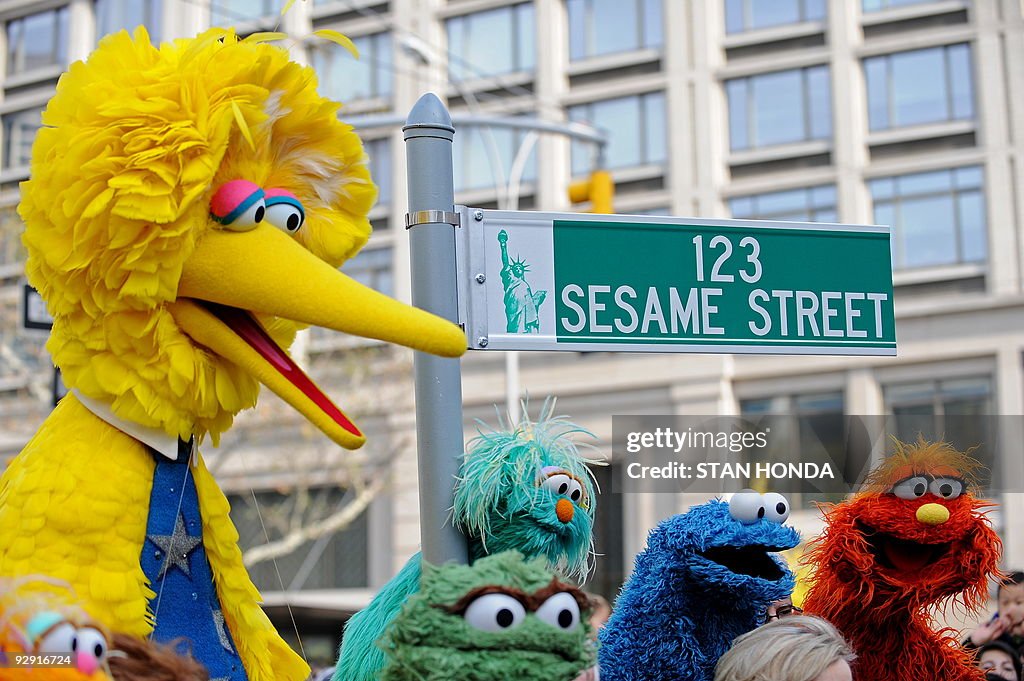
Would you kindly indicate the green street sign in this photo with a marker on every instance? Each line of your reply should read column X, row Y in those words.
column 558, row 281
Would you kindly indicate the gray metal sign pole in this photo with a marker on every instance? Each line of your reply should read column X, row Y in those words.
column 432, row 222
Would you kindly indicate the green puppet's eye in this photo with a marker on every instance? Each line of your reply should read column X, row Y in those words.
column 495, row 613
column 560, row 611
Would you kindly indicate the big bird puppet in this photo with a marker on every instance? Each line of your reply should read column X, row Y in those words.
column 913, row 541
column 187, row 209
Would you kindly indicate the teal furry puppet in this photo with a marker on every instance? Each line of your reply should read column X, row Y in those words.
column 528, row 490
column 501, row 618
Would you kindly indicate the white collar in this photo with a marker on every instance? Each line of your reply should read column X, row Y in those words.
column 154, row 438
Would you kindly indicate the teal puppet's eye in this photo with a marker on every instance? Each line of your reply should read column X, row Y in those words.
column 560, row 484
column 560, row 611
column 495, row 613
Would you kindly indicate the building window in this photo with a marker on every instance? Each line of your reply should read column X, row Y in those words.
column 491, row 43
column 599, row 27
column 345, row 79
column 378, row 152
column 951, row 410
column 878, row 5
column 920, row 86
column 37, row 40
column 813, row 428
column 19, row 132
column 115, row 15
column 473, row 157
column 12, row 251
column 372, row 267
column 814, row 204
column 779, row 108
column 636, row 129
column 749, row 15
column 938, row 218
column 337, row 564
column 233, row 11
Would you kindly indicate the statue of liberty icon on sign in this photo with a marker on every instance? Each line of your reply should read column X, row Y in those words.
column 522, row 303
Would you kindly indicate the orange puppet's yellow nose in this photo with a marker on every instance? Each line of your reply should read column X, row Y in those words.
column 932, row 514
column 564, row 510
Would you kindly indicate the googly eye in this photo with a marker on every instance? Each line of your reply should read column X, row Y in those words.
column 284, row 210
column 238, row 205
column 776, row 507
column 495, row 613
column 947, row 488
column 747, row 507
column 575, row 491
column 559, row 484
column 62, row 638
column 91, row 641
column 560, row 611
column 911, row 488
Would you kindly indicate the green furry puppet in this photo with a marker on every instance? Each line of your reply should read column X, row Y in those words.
column 501, row 618
column 528, row 490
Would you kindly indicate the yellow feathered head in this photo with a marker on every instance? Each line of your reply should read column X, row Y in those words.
column 187, row 208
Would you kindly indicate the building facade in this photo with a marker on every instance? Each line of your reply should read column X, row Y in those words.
column 907, row 113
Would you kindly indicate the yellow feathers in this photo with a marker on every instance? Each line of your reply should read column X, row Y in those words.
column 133, row 144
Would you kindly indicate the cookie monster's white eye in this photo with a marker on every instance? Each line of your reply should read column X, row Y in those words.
column 559, row 484
column 62, row 638
column 495, row 613
column 561, row 611
column 284, row 211
column 776, row 507
column 91, row 641
column 911, row 488
column 746, row 506
column 947, row 488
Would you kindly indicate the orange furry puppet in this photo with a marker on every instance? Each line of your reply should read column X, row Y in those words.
column 914, row 539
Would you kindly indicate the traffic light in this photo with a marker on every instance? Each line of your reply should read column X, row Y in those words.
column 599, row 189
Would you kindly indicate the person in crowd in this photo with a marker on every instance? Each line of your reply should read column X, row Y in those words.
column 782, row 608
column 600, row 611
column 999, row 661
column 788, row 649
column 1007, row 625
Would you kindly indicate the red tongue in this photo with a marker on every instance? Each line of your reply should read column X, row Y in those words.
column 908, row 556
column 242, row 323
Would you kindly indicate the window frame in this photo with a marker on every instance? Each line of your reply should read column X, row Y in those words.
column 461, row 62
column 15, row 54
column 588, row 51
column 948, row 82
column 809, row 208
column 747, row 12
column 643, row 121
column 377, row 56
column 896, row 199
column 749, row 107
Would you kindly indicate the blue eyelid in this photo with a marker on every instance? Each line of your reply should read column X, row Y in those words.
column 275, row 200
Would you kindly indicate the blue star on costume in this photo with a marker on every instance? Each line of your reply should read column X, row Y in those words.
column 186, row 605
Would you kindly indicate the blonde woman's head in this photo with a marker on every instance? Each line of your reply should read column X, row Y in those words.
column 789, row 649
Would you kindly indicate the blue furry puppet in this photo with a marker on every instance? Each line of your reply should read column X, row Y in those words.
column 706, row 577
column 527, row 490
